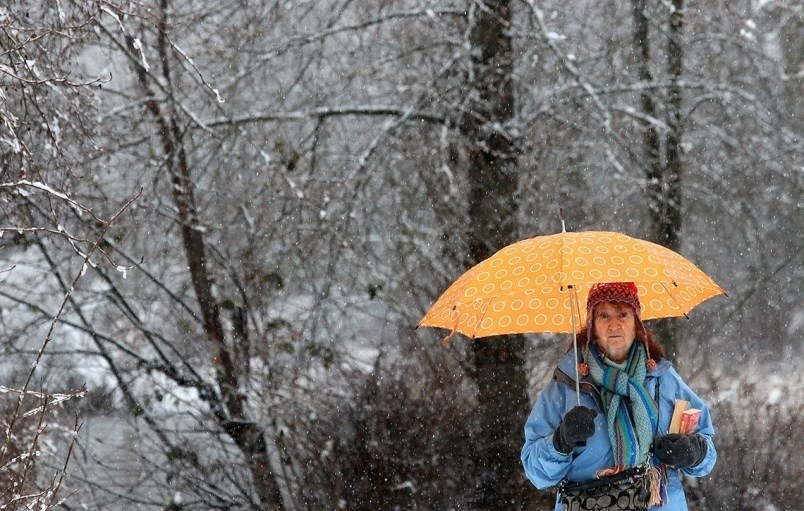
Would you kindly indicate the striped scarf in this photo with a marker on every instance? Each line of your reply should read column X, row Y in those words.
column 631, row 426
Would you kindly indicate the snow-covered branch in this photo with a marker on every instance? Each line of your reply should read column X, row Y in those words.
column 325, row 112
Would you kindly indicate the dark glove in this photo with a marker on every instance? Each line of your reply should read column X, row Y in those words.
column 680, row 451
column 577, row 426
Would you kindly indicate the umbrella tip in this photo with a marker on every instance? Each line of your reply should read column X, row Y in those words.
column 561, row 216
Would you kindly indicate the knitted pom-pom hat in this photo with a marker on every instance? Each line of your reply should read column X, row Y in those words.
column 623, row 292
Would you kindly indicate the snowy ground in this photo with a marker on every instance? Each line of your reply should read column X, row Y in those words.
column 104, row 458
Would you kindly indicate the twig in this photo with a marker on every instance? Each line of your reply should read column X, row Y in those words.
column 49, row 336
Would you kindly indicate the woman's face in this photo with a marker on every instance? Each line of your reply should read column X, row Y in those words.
column 615, row 329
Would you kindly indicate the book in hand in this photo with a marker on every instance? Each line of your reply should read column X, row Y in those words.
column 689, row 420
column 685, row 419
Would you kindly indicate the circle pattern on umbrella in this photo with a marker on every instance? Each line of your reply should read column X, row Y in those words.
column 530, row 286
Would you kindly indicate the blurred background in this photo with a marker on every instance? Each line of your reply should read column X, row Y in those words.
column 222, row 222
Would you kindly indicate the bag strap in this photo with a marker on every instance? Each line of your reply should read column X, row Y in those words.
column 658, row 407
column 585, row 385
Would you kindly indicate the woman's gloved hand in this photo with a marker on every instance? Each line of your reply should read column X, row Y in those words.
column 680, row 451
column 577, row 426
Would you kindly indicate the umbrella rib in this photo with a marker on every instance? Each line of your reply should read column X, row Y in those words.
column 483, row 316
column 449, row 336
column 667, row 290
column 445, row 341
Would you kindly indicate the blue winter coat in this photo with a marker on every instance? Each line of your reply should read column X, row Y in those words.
column 546, row 467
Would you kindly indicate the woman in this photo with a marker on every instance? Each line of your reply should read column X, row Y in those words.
column 628, row 393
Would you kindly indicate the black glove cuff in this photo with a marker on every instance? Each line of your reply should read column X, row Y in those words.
column 703, row 448
column 559, row 443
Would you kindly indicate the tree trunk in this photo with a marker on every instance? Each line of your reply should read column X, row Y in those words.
column 492, row 172
column 663, row 171
column 652, row 163
column 667, row 229
column 230, row 410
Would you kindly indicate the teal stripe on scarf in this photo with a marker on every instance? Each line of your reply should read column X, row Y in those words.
column 631, row 427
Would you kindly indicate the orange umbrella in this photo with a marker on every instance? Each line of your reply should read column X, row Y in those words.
column 541, row 284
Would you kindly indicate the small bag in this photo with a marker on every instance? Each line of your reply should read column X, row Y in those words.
column 627, row 490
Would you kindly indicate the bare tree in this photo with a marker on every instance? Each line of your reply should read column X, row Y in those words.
column 492, row 171
column 662, row 161
column 43, row 129
column 313, row 175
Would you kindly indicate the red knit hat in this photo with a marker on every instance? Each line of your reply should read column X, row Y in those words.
column 624, row 292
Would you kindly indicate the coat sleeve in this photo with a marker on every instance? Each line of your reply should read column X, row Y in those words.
column 543, row 464
column 705, row 427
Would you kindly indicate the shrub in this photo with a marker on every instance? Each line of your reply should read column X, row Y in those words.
column 759, row 446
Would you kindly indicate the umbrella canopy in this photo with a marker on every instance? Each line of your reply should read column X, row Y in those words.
column 541, row 284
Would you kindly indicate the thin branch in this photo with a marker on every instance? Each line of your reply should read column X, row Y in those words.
column 323, row 113
column 49, row 336
column 304, row 39
column 17, row 185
